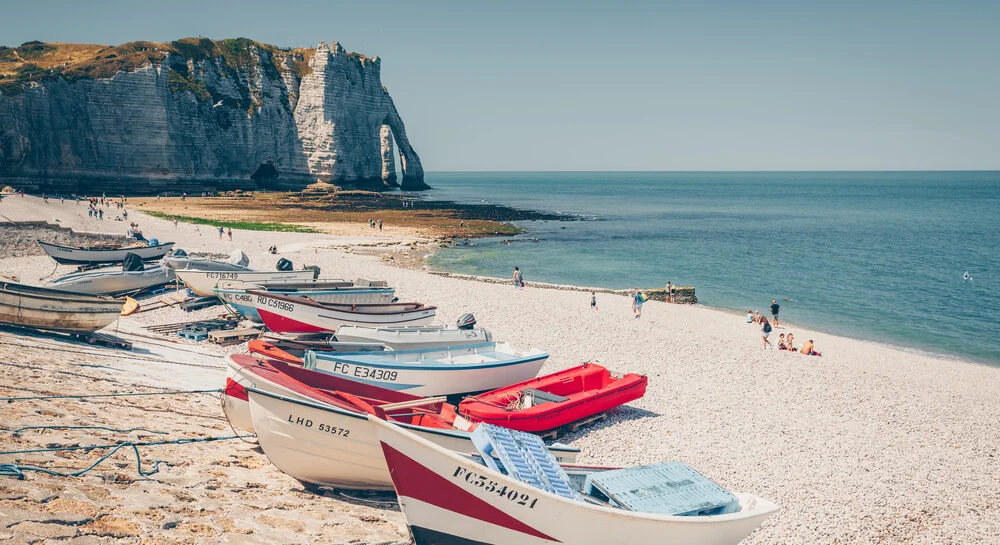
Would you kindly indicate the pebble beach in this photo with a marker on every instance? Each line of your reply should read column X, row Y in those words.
column 867, row 444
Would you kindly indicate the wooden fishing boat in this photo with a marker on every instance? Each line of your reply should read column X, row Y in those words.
column 290, row 314
column 111, row 281
column 316, row 432
column 554, row 400
column 98, row 255
column 413, row 338
column 55, row 310
column 202, row 282
column 448, row 497
column 437, row 371
column 235, row 294
column 182, row 262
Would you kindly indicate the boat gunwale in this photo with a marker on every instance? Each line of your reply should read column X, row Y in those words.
column 94, row 249
column 301, row 300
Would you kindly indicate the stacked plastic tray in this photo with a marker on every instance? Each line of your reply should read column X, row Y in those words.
column 667, row 488
column 522, row 456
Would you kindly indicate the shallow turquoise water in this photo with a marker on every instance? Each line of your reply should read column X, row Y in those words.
column 873, row 255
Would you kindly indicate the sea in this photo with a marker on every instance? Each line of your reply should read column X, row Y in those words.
column 880, row 256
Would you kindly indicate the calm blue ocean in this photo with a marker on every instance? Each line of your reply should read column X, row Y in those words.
column 871, row 255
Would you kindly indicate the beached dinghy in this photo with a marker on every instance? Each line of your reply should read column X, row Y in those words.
column 413, row 338
column 290, row 314
column 448, row 497
column 341, row 292
column 179, row 260
column 202, row 282
column 548, row 402
column 133, row 276
column 433, row 372
column 98, row 255
column 324, row 437
column 56, row 310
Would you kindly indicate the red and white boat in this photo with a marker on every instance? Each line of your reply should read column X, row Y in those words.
column 554, row 400
column 296, row 314
column 312, row 426
column 452, row 498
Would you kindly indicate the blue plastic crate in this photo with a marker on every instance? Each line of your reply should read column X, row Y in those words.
column 667, row 488
column 524, row 457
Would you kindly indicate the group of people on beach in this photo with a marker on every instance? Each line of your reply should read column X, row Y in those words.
column 785, row 342
column 223, row 231
column 373, row 223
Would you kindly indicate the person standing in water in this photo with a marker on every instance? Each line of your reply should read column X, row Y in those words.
column 670, row 292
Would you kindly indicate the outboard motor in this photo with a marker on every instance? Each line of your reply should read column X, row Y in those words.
column 154, row 242
column 466, row 321
column 179, row 253
column 283, row 265
column 132, row 262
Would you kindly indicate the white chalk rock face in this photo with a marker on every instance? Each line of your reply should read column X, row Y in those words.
column 271, row 118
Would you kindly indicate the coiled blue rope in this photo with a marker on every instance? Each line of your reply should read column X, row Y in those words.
column 82, row 396
column 17, row 470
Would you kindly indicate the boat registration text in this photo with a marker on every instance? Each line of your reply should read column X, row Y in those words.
column 307, row 423
column 356, row 371
column 488, row 485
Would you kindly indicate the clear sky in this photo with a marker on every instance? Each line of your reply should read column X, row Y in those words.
column 511, row 85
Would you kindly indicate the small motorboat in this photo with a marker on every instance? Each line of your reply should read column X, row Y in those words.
column 316, row 432
column 179, row 260
column 101, row 255
column 514, row 492
column 235, row 294
column 554, row 400
column 416, row 338
column 56, row 310
column 436, row 371
column 296, row 314
column 133, row 276
column 201, row 282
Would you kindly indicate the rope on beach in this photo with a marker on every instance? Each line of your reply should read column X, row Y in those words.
column 133, row 394
column 17, row 470
column 130, row 430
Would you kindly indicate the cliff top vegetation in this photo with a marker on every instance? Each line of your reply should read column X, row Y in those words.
column 40, row 61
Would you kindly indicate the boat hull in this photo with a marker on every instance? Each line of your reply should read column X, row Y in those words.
column 412, row 338
column 67, row 255
column 112, row 281
column 53, row 310
column 448, row 498
column 202, row 282
column 246, row 304
column 283, row 314
column 330, row 446
column 427, row 377
column 581, row 401
column 179, row 263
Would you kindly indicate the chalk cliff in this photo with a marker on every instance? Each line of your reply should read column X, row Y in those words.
column 197, row 115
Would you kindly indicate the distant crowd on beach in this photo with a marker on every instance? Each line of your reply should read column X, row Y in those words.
column 785, row 342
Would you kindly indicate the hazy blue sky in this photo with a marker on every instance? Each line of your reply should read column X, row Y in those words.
column 510, row 85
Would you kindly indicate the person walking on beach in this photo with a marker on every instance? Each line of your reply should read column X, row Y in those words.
column 221, row 232
column 518, row 279
column 774, row 312
column 765, row 330
column 175, row 223
column 593, row 300
column 230, row 233
column 637, row 300
column 670, row 293
column 379, row 225
column 100, row 213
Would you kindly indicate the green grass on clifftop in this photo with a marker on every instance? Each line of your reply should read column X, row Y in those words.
column 244, row 225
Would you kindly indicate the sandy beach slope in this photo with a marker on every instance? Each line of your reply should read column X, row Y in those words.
column 868, row 444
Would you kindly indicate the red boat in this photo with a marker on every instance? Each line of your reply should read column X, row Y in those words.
column 282, row 378
column 268, row 350
column 551, row 401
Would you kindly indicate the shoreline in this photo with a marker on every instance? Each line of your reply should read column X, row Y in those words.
column 865, row 444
